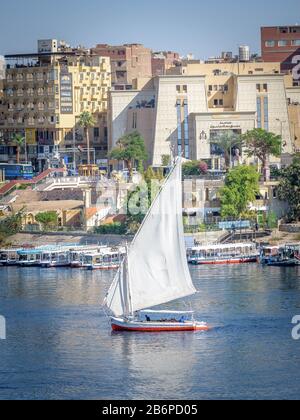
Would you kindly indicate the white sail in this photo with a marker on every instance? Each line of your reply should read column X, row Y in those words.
column 157, row 270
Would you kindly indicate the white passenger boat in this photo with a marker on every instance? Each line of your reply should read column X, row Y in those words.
column 9, row 257
column 104, row 259
column 30, row 257
column 154, row 270
column 76, row 255
column 223, row 254
column 55, row 258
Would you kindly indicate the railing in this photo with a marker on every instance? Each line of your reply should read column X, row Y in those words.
column 69, row 182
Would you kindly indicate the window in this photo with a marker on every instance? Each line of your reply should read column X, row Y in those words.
column 258, row 87
column 179, row 128
column 186, row 130
column 282, row 43
column 266, row 113
column 96, row 132
column 210, row 88
column 218, row 102
column 178, row 89
column 258, row 101
column 265, row 86
column 296, row 42
column 270, row 44
column 185, row 88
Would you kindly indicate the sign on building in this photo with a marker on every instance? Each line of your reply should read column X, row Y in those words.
column 66, row 93
column 292, row 65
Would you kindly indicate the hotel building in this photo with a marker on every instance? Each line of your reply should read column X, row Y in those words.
column 183, row 113
column 43, row 96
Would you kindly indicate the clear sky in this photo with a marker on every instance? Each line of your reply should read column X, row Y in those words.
column 204, row 28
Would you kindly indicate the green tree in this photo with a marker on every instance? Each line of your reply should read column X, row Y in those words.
column 241, row 188
column 289, row 189
column 11, row 225
column 86, row 121
column 226, row 141
column 130, row 148
column 19, row 141
column 48, row 219
column 262, row 144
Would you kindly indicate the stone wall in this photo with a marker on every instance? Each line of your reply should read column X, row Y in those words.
column 290, row 228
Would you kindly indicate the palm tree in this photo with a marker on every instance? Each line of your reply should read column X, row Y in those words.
column 226, row 141
column 19, row 141
column 86, row 120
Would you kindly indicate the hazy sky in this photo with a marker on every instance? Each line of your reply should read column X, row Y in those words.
column 204, row 28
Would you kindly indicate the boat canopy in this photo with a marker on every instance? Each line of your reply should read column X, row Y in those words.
column 222, row 247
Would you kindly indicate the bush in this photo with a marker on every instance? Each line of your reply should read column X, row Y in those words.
column 112, row 229
column 194, row 168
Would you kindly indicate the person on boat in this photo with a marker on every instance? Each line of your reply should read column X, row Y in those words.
column 148, row 319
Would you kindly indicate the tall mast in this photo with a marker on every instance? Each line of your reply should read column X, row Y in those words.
column 128, row 282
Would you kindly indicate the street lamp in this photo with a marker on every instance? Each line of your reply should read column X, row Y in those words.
column 281, row 123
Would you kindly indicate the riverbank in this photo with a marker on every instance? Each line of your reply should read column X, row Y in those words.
column 39, row 239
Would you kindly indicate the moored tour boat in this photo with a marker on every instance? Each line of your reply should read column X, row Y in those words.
column 154, row 270
column 55, row 258
column 30, row 257
column 287, row 256
column 104, row 259
column 76, row 254
column 240, row 253
column 9, row 257
column 267, row 253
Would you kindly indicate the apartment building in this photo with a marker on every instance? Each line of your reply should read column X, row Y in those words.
column 182, row 114
column 128, row 62
column 44, row 95
column 162, row 61
column 293, row 98
column 282, row 44
column 279, row 42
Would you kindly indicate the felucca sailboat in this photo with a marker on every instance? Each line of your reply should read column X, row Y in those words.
column 154, row 270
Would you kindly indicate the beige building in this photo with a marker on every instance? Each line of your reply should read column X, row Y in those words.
column 44, row 95
column 128, row 62
column 293, row 97
column 182, row 114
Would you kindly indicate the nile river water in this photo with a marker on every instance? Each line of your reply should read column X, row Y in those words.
column 59, row 344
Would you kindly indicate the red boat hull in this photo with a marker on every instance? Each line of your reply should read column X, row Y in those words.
column 159, row 328
column 224, row 262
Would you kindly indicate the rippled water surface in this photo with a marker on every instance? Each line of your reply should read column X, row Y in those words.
column 59, row 344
